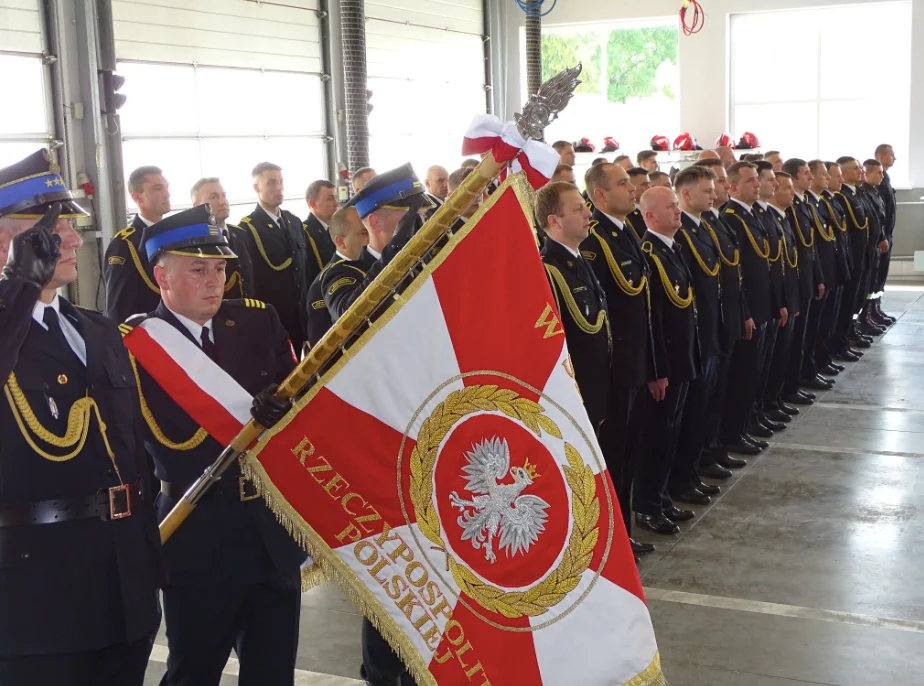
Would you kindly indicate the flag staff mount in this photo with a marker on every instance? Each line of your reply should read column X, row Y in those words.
column 543, row 107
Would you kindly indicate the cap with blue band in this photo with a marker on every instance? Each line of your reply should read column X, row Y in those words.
column 390, row 189
column 192, row 232
column 29, row 187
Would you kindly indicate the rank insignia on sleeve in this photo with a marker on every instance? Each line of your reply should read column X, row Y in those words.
column 115, row 259
column 340, row 283
column 589, row 255
column 318, row 305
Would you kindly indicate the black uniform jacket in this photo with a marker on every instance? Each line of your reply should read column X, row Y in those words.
column 239, row 283
column 616, row 257
column 857, row 227
column 636, row 220
column 734, row 304
column 835, row 214
column 221, row 534
column 130, row 285
column 790, row 259
column 83, row 584
column 803, row 223
column 754, row 248
column 702, row 257
column 321, row 246
column 319, row 320
column 774, row 235
column 826, row 247
column 281, row 268
column 677, row 353
column 876, row 212
column 890, row 203
column 582, row 309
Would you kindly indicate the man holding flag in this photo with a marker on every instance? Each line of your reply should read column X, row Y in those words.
column 205, row 365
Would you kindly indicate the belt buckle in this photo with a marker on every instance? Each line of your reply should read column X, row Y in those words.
column 115, row 511
column 243, row 482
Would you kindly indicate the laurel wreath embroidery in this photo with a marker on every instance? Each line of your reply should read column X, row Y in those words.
column 585, row 504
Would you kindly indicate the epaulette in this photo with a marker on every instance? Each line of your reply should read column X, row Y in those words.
column 125, row 329
column 234, row 227
column 328, row 266
column 589, row 255
column 246, row 220
column 246, row 302
column 125, row 233
column 729, row 210
column 646, row 246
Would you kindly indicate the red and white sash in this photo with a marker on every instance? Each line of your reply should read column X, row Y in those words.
column 204, row 390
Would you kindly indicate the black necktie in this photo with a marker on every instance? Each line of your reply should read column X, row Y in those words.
column 54, row 327
column 207, row 346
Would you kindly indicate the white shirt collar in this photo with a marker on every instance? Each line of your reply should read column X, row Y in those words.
column 778, row 210
column 571, row 250
column 194, row 328
column 800, row 196
column 749, row 209
column 815, row 195
column 619, row 225
column 696, row 220
column 376, row 255
column 275, row 217
column 853, row 189
column 320, row 221
column 74, row 339
column 669, row 242
column 343, row 257
column 763, row 205
column 145, row 221
column 715, row 212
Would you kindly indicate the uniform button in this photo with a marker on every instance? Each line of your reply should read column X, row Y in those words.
column 25, row 556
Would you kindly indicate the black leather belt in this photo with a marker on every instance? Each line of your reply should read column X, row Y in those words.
column 229, row 488
column 114, row 503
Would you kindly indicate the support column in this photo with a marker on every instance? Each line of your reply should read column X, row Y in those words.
column 353, row 38
column 533, row 48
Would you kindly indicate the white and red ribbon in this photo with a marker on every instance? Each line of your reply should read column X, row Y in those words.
column 488, row 133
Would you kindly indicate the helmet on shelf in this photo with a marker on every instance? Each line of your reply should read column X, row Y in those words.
column 725, row 141
column 660, row 143
column 685, row 141
column 748, row 141
column 610, row 144
column 583, row 145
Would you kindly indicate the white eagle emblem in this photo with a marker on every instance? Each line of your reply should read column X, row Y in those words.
column 499, row 507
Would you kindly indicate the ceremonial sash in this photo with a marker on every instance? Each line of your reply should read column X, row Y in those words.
column 204, row 390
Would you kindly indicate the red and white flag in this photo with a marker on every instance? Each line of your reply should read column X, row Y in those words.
column 535, row 158
column 445, row 474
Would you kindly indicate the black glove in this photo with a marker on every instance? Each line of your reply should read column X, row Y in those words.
column 408, row 224
column 267, row 408
column 34, row 253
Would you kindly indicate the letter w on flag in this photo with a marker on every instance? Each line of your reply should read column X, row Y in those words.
column 445, row 474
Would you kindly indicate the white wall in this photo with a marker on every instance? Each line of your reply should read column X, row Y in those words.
column 703, row 66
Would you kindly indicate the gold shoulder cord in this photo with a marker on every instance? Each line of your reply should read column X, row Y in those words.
column 779, row 252
column 827, row 237
column 262, row 251
column 190, row 444
column 699, row 260
column 734, row 261
column 853, row 217
column 763, row 255
column 615, row 270
column 795, row 221
column 573, row 308
column 674, row 297
column 794, row 263
column 235, row 277
column 314, row 247
column 78, row 425
column 634, row 230
column 842, row 226
column 125, row 233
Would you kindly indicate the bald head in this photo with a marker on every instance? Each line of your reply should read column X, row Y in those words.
column 727, row 155
column 661, row 210
column 348, row 232
column 708, row 155
column 437, row 181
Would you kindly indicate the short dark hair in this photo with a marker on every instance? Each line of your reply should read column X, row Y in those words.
column 636, row 171
column 361, row 171
column 709, row 162
column 734, row 171
column 762, row 165
column 314, row 189
column 828, row 165
column 845, row 159
column 457, row 177
column 620, row 158
column 559, row 145
column 469, row 163
column 657, row 174
column 599, row 160
column 692, row 175
column 752, row 157
column 814, row 164
column 136, row 178
column 548, row 200
column 645, row 155
column 881, row 149
column 793, row 165
column 771, row 152
column 562, row 168
column 264, row 167
column 872, row 163
column 783, row 175
column 597, row 177
column 199, row 184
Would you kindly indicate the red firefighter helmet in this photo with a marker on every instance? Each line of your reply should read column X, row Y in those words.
column 583, row 145
column 660, row 143
column 685, row 142
column 748, row 141
column 725, row 140
column 610, row 144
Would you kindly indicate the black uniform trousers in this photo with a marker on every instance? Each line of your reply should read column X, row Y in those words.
column 715, row 410
column 797, row 353
column 659, row 446
column 122, row 664
column 779, row 363
column 765, row 357
column 743, row 385
column 882, row 273
column 619, row 442
column 810, row 365
column 693, row 427
column 843, row 323
column 823, row 355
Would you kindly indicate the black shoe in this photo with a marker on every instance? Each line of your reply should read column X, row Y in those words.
column 806, row 394
column 759, row 430
column 741, row 447
column 783, row 407
column 775, row 415
column 798, row 399
column 875, row 319
column 837, row 367
column 816, row 384
column 714, row 471
column 868, row 328
column 709, row 489
column 877, row 308
column 825, row 379
column 858, row 342
column 658, row 523
column 773, row 426
column 832, row 369
column 675, row 514
column 732, row 462
column 762, row 445
column 693, row 496
column 640, row 548
column 846, row 356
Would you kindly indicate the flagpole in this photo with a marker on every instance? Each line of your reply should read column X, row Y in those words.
column 541, row 109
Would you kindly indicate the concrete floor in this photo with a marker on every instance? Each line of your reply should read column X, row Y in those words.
column 806, row 570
